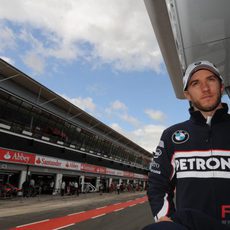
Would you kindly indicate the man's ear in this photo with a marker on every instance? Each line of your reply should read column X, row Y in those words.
column 222, row 88
column 187, row 95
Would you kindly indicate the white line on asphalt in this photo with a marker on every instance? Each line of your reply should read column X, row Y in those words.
column 118, row 209
column 132, row 205
column 98, row 216
column 32, row 223
column 118, row 203
column 101, row 207
column 65, row 226
column 75, row 213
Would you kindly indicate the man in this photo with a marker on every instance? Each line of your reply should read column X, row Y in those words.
column 51, row 187
column 118, row 188
column 32, row 190
column 192, row 160
column 76, row 190
column 25, row 188
column 63, row 184
column 101, row 188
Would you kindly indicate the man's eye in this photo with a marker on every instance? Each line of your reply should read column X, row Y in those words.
column 194, row 83
column 212, row 78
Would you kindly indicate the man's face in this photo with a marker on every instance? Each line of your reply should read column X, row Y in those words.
column 204, row 90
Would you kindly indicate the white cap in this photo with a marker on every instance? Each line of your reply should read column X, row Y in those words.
column 198, row 65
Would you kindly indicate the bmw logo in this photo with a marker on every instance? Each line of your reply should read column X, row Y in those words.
column 180, row 136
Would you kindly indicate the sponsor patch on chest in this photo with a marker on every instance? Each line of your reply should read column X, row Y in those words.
column 202, row 164
column 180, row 136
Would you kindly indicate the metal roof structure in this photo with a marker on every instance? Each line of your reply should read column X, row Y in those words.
column 68, row 111
column 189, row 31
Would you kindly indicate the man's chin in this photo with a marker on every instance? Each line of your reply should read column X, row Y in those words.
column 209, row 108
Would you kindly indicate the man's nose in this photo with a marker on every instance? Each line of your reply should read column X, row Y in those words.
column 204, row 86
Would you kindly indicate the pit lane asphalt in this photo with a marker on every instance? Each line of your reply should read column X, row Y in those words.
column 23, row 205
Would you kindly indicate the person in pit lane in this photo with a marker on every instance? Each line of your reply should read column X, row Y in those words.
column 192, row 160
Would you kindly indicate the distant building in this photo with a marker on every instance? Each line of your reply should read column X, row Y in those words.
column 45, row 137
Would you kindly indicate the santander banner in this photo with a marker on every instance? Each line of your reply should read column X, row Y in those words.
column 56, row 163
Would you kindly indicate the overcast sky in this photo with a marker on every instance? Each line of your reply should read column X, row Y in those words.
column 101, row 55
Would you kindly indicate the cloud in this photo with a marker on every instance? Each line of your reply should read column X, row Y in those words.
column 117, row 127
column 119, row 110
column 116, row 108
column 118, row 105
column 34, row 61
column 7, row 38
column 96, row 89
column 147, row 136
column 86, row 104
column 118, row 33
column 7, row 59
column 130, row 119
column 155, row 114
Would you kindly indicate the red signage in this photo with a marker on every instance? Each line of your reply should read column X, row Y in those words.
column 128, row 174
column 56, row 163
column 16, row 156
column 13, row 156
column 93, row 168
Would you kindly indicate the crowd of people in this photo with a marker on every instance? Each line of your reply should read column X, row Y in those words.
column 31, row 188
column 125, row 187
column 34, row 186
column 70, row 188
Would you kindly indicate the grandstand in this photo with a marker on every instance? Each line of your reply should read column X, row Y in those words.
column 45, row 137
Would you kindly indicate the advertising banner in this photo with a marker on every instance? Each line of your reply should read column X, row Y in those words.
column 12, row 156
column 56, row 163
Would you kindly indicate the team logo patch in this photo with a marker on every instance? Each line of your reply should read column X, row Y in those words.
column 157, row 153
column 180, row 136
column 161, row 144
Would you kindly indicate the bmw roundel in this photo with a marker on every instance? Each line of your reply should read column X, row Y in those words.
column 180, row 136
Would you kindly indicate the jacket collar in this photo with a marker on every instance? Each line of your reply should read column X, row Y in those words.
column 197, row 117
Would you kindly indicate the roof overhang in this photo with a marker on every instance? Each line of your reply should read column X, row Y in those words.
column 188, row 31
column 46, row 96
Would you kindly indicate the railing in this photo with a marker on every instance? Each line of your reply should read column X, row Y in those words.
column 88, row 187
